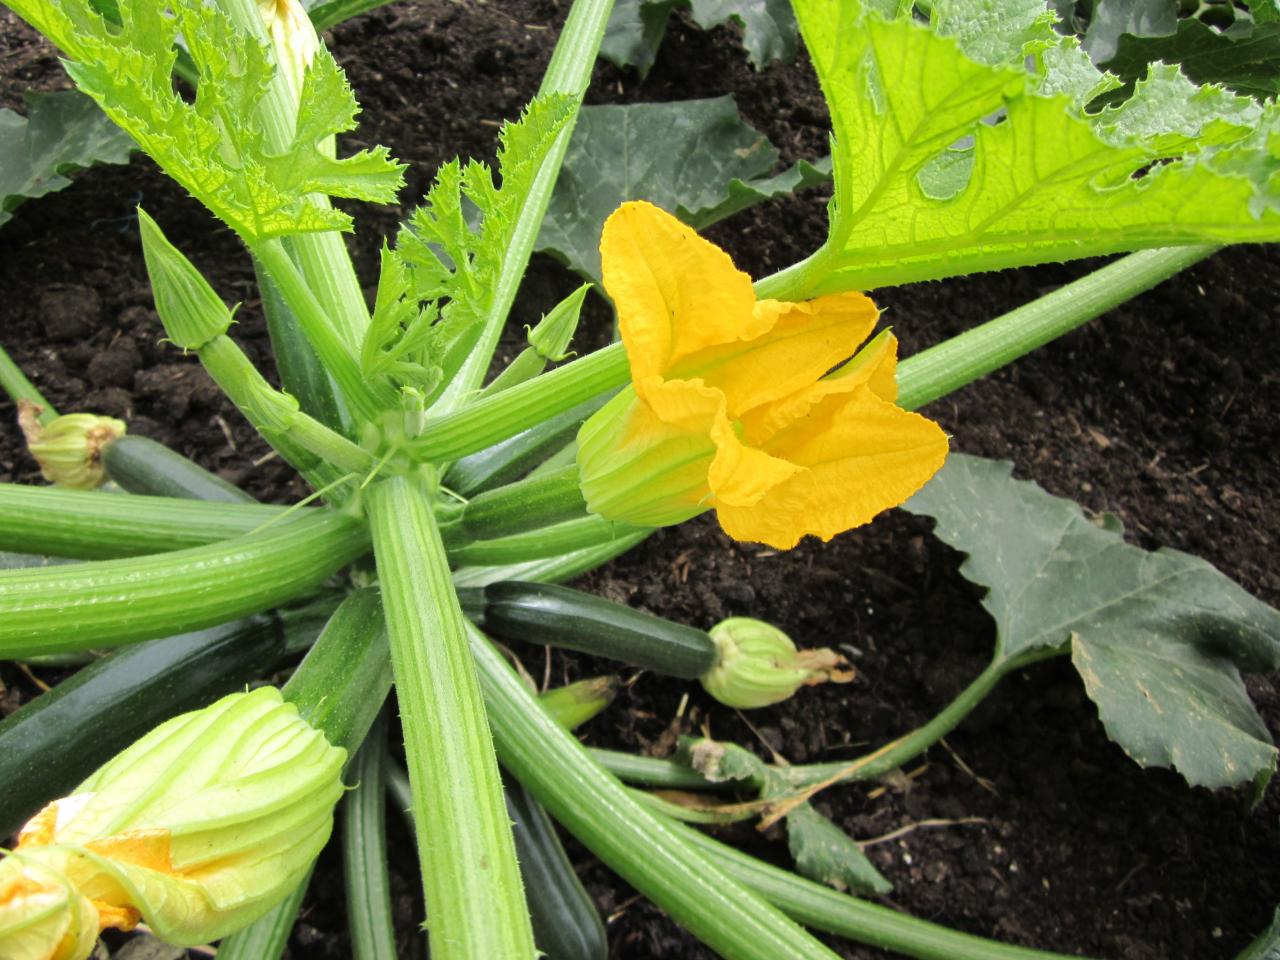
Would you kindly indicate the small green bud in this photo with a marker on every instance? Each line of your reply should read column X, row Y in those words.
column 42, row 917
column 757, row 665
column 201, row 826
column 69, row 448
column 550, row 338
column 575, row 703
column 191, row 312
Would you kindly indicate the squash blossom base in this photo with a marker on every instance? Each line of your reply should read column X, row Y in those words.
column 749, row 407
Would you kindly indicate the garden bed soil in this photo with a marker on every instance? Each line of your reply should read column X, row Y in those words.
column 1163, row 413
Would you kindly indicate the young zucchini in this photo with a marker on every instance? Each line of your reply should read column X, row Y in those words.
column 566, row 924
column 141, row 465
column 563, row 617
column 60, row 737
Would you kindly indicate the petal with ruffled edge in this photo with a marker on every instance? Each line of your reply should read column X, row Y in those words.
column 874, row 367
column 675, row 292
column 859, row 455
column 803, row 342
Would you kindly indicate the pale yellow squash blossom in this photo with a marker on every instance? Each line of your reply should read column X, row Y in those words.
column 293, row 39
column 199, row 828
column 743, row 405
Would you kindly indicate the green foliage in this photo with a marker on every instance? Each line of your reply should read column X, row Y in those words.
column 449, row 265
column 1000, row 166
column 1159, row 638
column 637, row 27
column 1113, row 19
column 62, row 132
column 1246, row 60
column 217, row 146
column 697, row 158
column 1267, row 945
column 822, row 851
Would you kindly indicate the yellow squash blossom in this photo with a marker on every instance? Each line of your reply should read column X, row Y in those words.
column 198, row 828
column 733, row 405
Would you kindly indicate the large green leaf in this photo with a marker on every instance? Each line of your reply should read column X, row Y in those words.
column 1030, row 177
column 696, row 158
column 217, row 146
column 1158, row 637
column 636, row 29
column 1267, row 945
column 1246, row 61
column 62, row 132
column 1115, row 18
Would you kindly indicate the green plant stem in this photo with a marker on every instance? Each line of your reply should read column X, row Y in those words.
column 820, row 907
column 364, row 851
column 525, row 505
column 91, row 525
column 277, row 417
column 321, row 258
column 600, row 812
column 552, row 569
column 102, row 603
column 550, row 541
column 366, row 398
column 569, row 72
column 935, row 372
column 267, row 937
column 668, row 774
column 923, row 378
column 502, row 415
column 341, row 683
column 470, row 877
column 301, row 373
column 15, row 383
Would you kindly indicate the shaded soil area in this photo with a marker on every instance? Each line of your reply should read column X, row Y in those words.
column 1162, row 412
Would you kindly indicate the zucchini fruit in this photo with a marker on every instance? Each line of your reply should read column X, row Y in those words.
column 563, row 617
column 141, row 465
column 56, row 740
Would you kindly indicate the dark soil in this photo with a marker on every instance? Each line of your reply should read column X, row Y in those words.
column 1162, row 412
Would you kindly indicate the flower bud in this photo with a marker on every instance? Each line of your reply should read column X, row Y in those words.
column 575, row 703
column 41, row 915
column 201, row 826
column 69, row 448
column 757, row 664
column 192, row 313
column 293, row 40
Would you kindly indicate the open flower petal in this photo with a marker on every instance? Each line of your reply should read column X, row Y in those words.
column 675, row 292
column 741, row 405
column 860, row 454
column 803, row 342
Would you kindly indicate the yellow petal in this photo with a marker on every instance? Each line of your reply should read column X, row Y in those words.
column 675, row 292
column 873, row 367
column 803, row 342
column 860, row 454
column 740, row 475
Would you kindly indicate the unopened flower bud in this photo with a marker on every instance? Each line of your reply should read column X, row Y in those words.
column 757, row 664
column 42, row 917
column 69, row 448
column 201, row 826
column 293, row 39
column 575, row 703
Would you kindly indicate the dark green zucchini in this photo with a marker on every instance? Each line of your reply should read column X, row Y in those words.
column 143, row 466
column 566, row 925
column 55, row 741
column 563, row 617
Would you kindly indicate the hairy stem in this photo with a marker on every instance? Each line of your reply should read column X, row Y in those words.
column 470, row 877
